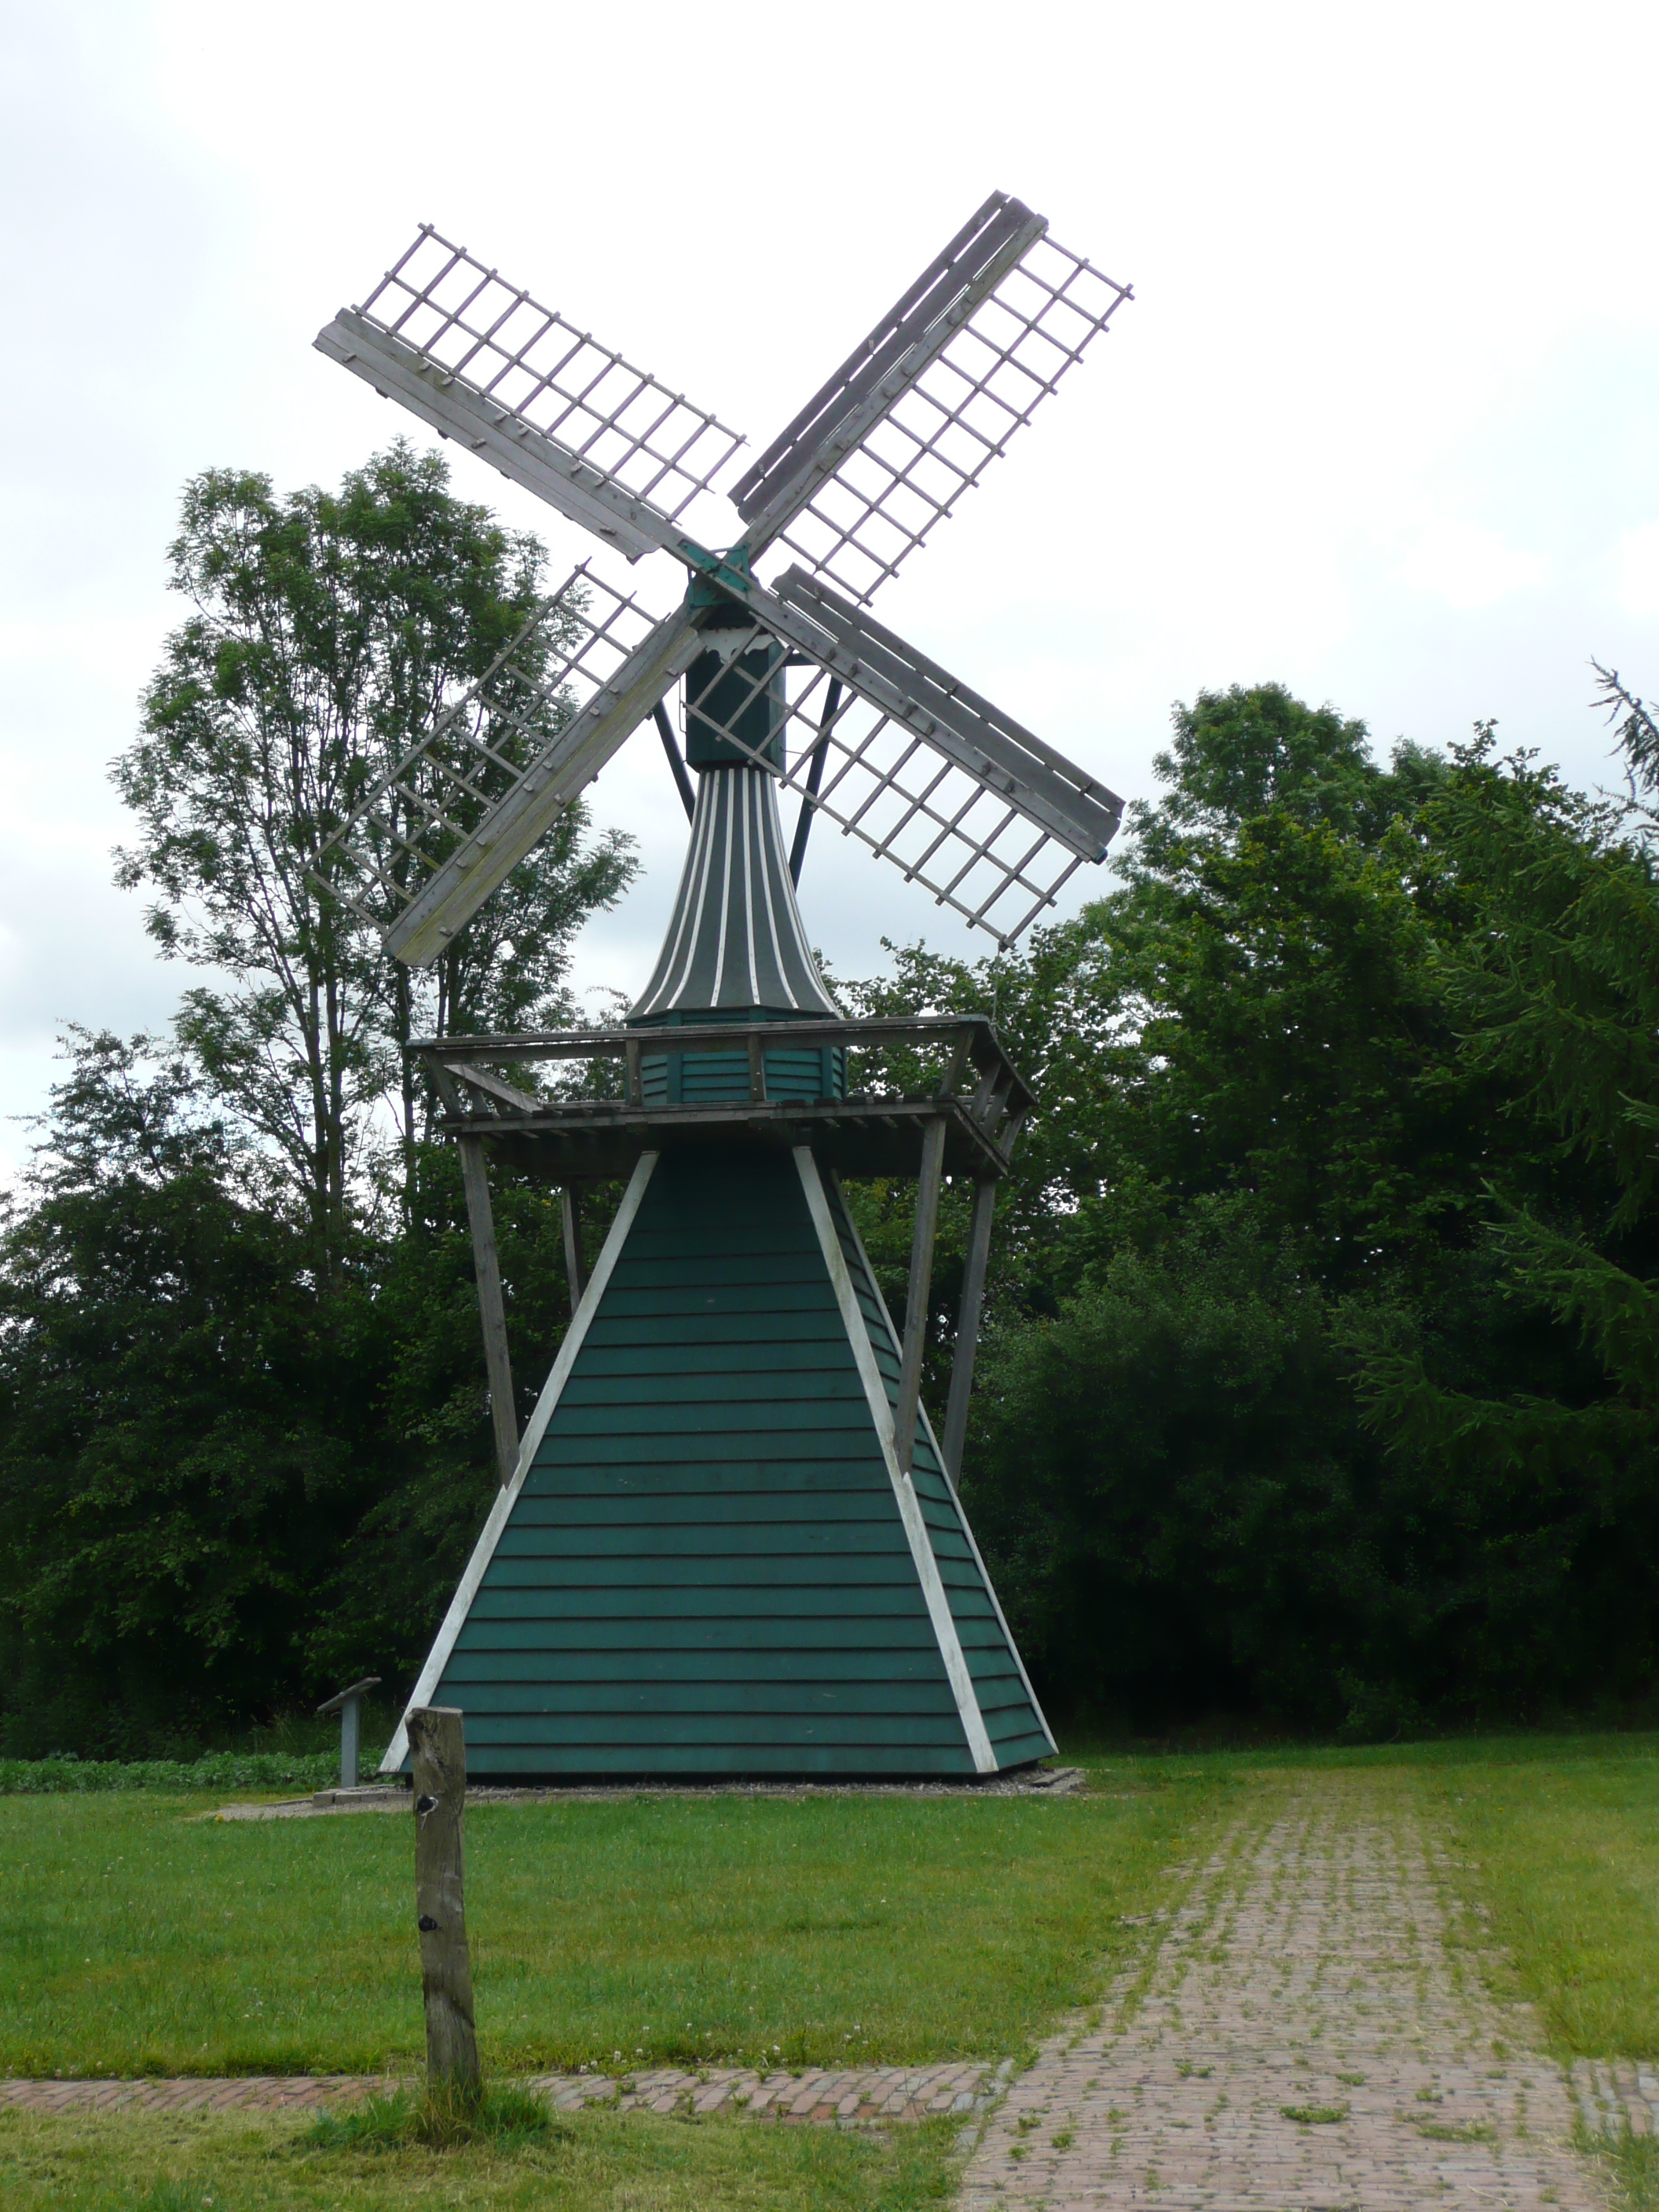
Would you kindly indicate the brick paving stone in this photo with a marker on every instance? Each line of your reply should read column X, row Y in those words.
column 1307, row 2042
column 1616, row 2095
column 820, row 2096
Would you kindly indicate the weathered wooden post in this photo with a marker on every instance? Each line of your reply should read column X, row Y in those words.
column 915, row 1309
column 437, row 1745
column 349, row 1703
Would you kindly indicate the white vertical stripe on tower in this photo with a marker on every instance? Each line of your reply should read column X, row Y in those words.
column 500, row 1511
column 771, row 852
column 696, row 861
column 904, row 1490
column 728, row 809
column 751, row 841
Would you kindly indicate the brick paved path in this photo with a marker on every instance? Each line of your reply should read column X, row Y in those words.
column 851, row 2098
column 1305, row 1968
column 1617, row 2096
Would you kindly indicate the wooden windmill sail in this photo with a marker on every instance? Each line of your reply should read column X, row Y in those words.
column 728, row 1541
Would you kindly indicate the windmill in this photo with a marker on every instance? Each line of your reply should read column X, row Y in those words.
column 728, row 1541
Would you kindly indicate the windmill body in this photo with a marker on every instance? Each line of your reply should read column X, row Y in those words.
column 729, row 1541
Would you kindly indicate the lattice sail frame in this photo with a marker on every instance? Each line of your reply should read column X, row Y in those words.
column 507, row 348
column 489, row 743
column 909, row 472
column 912, row 790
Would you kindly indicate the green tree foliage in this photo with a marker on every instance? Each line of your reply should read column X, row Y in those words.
column 1322, row 1216
column 222, row 1489
column 326, row 633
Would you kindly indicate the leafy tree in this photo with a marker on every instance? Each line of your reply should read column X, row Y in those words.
column 328, row 631
column 1558, row 991
column 223, row 1491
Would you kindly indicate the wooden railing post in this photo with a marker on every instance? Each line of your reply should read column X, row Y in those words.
column 916, row 1304
column 437, row 1750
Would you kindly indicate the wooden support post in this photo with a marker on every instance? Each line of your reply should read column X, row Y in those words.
column 635, row 1065
column 915, row 1303
column 757, row 1068
column 570, row 1212
column 487, row 1267
column 973, row 1294
column 437, row 1750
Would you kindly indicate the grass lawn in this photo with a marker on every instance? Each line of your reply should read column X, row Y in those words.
column 594, row 2162
column 722, row 1930
column 669, row 1930
column 636, row 1931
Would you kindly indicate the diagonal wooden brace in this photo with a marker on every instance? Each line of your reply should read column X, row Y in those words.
column 915, row 1303
column 475, row 1176
column 973, row 1296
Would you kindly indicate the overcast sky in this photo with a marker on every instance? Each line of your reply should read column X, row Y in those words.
column 1381, row 421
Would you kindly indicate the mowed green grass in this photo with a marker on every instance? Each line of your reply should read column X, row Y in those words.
column 142, row 1938
column 594, row 2162
column 1560, row 1841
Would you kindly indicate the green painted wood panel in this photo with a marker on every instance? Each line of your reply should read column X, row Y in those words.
column 699, row 1762
column 705, row 1571
column 796, row 1631
column 768, row 1700
column 886, row 1668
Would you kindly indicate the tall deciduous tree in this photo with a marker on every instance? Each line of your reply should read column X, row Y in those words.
column 326, row 632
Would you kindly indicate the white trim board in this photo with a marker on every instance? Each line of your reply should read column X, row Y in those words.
column 962, row 1518
column 484, row 1550
column 904, row 1491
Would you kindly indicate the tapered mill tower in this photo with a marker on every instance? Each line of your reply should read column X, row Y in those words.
column 728, row 1541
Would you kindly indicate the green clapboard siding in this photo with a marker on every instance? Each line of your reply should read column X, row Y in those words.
column 706, row 1572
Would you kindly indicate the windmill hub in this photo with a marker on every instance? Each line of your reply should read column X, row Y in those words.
column 728, row 1540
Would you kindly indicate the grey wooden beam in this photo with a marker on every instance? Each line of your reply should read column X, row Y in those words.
column 570, row 1214
column 915, row 1303
column 973, row 1296
column 486, row 1266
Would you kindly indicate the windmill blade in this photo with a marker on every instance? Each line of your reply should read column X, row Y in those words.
column 916, row 415
column 546, row 404
column 899, row 755
column 441, row 829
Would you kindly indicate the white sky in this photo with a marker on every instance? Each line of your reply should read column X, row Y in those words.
column 1381, row 423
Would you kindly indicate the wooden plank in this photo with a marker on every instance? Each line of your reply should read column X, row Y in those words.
column 677, row 1331
column 800, row 1634
column 649, row 1454
column 712, row 1600
column 655, row 1302
column 739, row 1416
column 703, row 1271
column 486, row 1267
column 876, row 1675
column 571, row 1222
column 788, row 1573
column 788, row 1382
column 874, row 1762
column 438, row 1755
column 916, row 1306
column 550, row 1519
column 748, row 1355
column 786, row 1546
column 547, row 1488
column 769, row 1730
column 967, row 1312
column 577, row 1698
